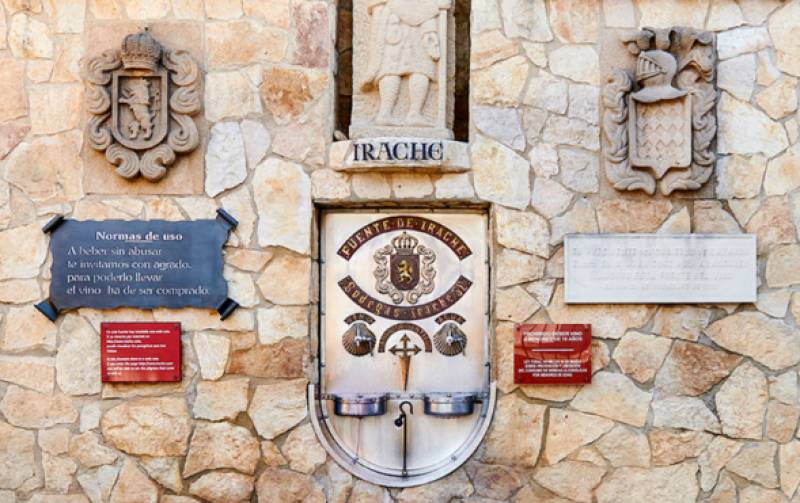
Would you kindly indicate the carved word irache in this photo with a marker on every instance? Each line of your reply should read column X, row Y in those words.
column 141, row 99
column 660, row 121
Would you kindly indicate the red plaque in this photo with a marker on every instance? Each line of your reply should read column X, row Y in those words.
column 140, row 352
column 553, row 354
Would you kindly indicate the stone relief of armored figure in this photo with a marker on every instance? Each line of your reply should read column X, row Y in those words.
column 659, row 124
column 405, row 46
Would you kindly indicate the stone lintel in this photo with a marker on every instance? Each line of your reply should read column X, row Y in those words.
column 426, row 155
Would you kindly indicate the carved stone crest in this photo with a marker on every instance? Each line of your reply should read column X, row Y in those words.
column 142, row 99
column 660, row 119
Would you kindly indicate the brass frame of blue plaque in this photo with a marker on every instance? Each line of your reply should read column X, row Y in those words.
column 144, row 264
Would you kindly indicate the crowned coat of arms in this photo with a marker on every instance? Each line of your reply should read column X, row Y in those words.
column 404, row 269
column 142, row 98
column 659, row 121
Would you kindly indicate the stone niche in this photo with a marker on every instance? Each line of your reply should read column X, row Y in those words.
column 403, row 89
column 659, row 110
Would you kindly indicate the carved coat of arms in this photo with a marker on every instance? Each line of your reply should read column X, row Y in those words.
column 659, row 122
column 404, row 269
column 142, row 99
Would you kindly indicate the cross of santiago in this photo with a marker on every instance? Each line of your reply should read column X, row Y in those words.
column 405, row 351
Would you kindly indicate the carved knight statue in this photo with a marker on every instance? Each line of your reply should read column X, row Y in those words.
column 141, row 98
column 404, row 44
column 659, row 125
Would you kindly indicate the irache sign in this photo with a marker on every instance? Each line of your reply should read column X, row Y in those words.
column 144, row 264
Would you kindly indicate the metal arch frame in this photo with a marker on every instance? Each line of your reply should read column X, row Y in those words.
column 319, row 421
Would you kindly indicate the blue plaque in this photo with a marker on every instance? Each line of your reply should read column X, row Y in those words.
column 143, row 264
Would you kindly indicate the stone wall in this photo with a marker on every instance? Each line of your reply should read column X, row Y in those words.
column 688, row 403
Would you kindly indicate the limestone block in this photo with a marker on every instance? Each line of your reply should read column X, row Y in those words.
column 31, row 409
column 279, row 484
column 579, row 169
column 277, row 407
column 501, row 84
column 745, row 130
column 282, row 193
column 640, row 355
column 550, row 198
column 742, row 401
column 568, row 430
column 17, row 463
column 78, row 358
column 29, row 37
column 670, row 446
column 571, row 479
column 547, row 92
column 98, row 484
column 89, row 452
column 244, row 42
column 239, row 203
column 724, row 14
column 411, row 186
column 668, row 484
column 12, row 85
column 282, row 321
column 623, row 446
column 303, row 451
column 247, row 260
column 493, row 481
column 619, row 13
column 221, row 399
column 27, row 329
column 756, row 462
column 781, row 28
column 165, row 471
column 773, row 224
column 501, row 124
column 148, row 426
column 740, row 176
column 34, row 372
column 514, row 304
column 568, row 131
column 692, row 369
column 329, row 184
column 526, row 19
column 711, row 218
column 781, row 421
column 719, row 452
column 616, row 397
column 514, row 267
column 221, row 445
column 738, row 41
column 580, row 219
column 783, row 172
column 276, row 12
column 286, row 279
column 779, row 99
column 685, row 413
column 516, row 434
column 311, row 35
column 212, row 354
column 776, row 347
column 576, row 62
column 230, row 95
column 285, row 358
column 58, row 473
column 47, row 169
column 526, row 232
column 681, row 13
column 226, row 165
column 489, row 47
column 287, row 93
column 737, row 76
column 146, row 9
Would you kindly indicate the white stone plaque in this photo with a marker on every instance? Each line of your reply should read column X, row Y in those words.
column 660, row 269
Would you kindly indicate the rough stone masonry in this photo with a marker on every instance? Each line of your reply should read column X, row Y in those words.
column 688, row 403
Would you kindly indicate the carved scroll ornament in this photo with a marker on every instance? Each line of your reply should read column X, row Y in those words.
column 659, row 122
column 141, row 99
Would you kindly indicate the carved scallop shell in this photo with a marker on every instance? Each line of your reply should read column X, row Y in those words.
column 450, row 340
column 358, row 340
